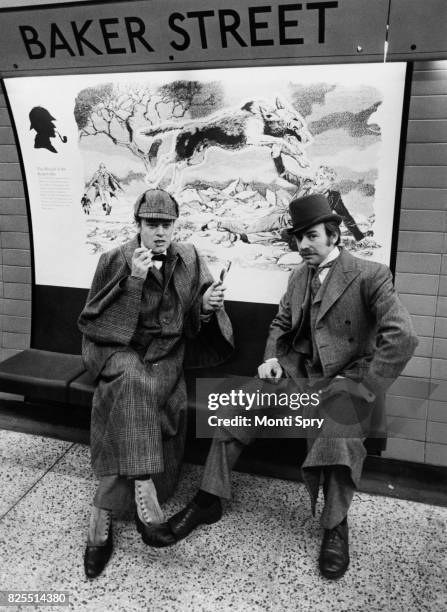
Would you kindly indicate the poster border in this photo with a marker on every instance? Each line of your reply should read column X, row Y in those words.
column 401, row 165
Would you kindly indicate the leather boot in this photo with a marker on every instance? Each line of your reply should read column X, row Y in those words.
column 100, row 542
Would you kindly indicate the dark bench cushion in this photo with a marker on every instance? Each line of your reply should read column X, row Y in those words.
column 42, row 375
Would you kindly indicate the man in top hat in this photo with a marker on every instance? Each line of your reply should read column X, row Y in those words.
column 153, row 306
column 340, row 329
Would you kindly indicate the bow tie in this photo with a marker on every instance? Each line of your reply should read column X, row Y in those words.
column 159, row 257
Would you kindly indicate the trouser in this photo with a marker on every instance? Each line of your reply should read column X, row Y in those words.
column 105, row 197
column 339, row 207
column 338, row 485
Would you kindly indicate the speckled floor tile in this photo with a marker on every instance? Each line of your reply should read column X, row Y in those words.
column 397, row 551
column 23, row 460
column 261, row 557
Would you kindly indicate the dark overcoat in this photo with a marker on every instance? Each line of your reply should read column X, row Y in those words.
column 134, row 337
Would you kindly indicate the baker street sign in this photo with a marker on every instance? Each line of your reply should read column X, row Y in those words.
column 189, row 32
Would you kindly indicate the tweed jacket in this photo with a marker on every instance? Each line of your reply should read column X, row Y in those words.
column 362, row 330
column 110, row 316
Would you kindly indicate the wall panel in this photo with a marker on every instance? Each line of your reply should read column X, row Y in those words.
column 427, row 131
column 422, row 267
column 429, row 82
column 424, row 199
column 15, row 326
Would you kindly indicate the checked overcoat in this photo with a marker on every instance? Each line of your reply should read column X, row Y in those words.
column 137, row 336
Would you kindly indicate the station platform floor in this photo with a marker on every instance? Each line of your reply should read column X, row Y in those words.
column 262, row 555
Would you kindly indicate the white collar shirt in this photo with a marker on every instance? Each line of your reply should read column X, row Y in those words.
column 325, row 271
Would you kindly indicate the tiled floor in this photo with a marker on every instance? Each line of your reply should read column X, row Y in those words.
column 262, row 556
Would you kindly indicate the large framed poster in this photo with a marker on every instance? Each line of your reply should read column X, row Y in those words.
column 233, row 146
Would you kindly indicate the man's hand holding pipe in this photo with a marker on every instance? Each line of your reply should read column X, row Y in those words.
column 141, row 262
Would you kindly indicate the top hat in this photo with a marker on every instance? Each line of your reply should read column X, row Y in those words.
column 310, row 210
column 156, row 204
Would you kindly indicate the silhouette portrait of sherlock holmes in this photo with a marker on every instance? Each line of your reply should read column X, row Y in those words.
column 42, row 121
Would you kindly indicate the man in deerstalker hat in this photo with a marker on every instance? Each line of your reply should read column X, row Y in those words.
column 341, row 329
column 41, row 120
column 153, row 307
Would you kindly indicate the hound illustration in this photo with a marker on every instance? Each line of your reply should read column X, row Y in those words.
column 256, row 123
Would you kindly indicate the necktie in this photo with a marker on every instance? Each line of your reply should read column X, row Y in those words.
column 316, row 283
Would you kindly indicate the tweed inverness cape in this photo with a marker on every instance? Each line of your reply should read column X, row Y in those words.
column 138, row 420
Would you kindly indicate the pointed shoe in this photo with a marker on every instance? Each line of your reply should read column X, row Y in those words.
column 156, row 535
column 97, row 557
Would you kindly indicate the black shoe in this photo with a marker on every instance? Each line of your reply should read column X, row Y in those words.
column 155, row 535
column 334, row 554
column 185, row 521
column 96, row 557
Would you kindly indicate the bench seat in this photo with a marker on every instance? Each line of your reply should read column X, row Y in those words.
column 40, row 375
column 60, row 378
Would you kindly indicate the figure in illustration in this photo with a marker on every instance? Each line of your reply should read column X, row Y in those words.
column 42, row 122
column 266, row 229
column 321, row 183
column 86, row 204
column 105, row 184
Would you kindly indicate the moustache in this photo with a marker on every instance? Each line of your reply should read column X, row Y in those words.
column 303, row 253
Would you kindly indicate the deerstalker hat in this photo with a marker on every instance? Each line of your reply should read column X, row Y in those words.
column 310, row 210
column 156, row 204
column 38, row 116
